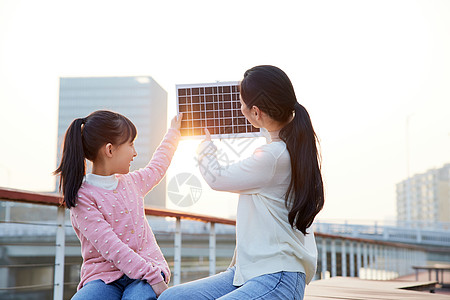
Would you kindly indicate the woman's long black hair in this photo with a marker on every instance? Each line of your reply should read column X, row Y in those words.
column 83, row 139
column 270, row 89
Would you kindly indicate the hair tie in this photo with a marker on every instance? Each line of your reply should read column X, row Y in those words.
column 83, row 121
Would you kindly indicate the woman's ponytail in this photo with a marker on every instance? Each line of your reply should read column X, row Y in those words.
column 72, row 168
column 271, row 90
column 305, row 195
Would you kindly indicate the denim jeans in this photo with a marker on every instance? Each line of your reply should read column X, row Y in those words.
column 122, row 288
column 281, row 285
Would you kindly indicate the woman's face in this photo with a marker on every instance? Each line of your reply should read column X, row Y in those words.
column 248, row 114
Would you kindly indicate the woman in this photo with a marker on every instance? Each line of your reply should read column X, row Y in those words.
column 281, row 192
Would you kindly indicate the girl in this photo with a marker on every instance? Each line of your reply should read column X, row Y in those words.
column 121, row 259
column 281, row 191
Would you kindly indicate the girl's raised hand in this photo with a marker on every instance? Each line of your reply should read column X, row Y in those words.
column 176, row 121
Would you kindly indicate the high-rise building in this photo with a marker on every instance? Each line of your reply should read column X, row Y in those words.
column 141, row 99
column 423, row 200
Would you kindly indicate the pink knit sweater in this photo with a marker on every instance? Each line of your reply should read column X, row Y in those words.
column 115, row 236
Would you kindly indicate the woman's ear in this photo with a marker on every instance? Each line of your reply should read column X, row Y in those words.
column 256, row 112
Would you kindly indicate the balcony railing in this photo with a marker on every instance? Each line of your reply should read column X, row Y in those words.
column 338, row 255
column 410, row 235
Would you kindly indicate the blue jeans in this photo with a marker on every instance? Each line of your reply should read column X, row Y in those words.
column 122, row 288
column 281, row 285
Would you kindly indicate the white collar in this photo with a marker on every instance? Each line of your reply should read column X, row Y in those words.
column 271, row 136
column 105, row 182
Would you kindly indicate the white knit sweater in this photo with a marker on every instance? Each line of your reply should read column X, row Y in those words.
column 265, row 241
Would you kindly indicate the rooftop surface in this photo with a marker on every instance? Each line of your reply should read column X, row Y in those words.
column 353, row 288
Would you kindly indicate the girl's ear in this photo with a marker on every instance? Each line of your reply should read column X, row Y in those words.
column 108, row 150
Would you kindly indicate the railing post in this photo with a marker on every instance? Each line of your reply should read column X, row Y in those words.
column 387, row 262
column 397, row 261
column 377, row 262
column 58, row 288
column 177, row 253
column 409, row 263
column 358, row 260
column 404, row 261
column 393, row 259
column 391, row 262
column 212, row 249
column 416, row 258
column 333, row 258
column 343, row 259
column 324, row 257
column 371, row 261
column 352, row 260
column 365, row 259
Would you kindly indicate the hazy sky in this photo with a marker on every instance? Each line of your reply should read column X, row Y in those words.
column 361, row 68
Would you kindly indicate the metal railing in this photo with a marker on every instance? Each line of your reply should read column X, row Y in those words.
column 61, row 228
column 366, row 259
column 338, row 255
column 409, row 235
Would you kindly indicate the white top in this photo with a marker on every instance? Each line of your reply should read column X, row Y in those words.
column 265, row 241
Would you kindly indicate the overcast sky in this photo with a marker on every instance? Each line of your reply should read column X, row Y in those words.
column 361, row 68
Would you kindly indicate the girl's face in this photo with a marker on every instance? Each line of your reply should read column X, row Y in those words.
column 123, row 155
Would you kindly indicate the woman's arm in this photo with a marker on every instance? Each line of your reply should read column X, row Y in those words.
column 246, row 176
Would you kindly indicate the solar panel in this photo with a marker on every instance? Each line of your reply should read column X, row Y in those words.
column 215, row 106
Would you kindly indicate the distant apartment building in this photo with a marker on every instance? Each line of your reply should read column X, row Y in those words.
column 423, row 200
column 141, row 99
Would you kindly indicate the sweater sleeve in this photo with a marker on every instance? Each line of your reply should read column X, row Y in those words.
column 156, row 169
column 246, row 176
column 97, row 231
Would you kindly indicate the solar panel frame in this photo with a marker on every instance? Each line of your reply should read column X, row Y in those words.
column 215, row 106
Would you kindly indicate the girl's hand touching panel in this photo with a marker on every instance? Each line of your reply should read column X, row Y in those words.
column 176, row 121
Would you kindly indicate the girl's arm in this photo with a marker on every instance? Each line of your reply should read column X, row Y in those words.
column 246, row 176
column 154, row 172
column 91, row 223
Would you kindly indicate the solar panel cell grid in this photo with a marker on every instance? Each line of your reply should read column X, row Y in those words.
column 215, row 106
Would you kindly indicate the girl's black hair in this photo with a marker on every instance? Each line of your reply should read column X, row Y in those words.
column 269, row 89
column 83, row 139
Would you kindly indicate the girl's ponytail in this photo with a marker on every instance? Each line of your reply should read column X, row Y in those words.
column 72, row 168
column 305, row 194
column 83, row 140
